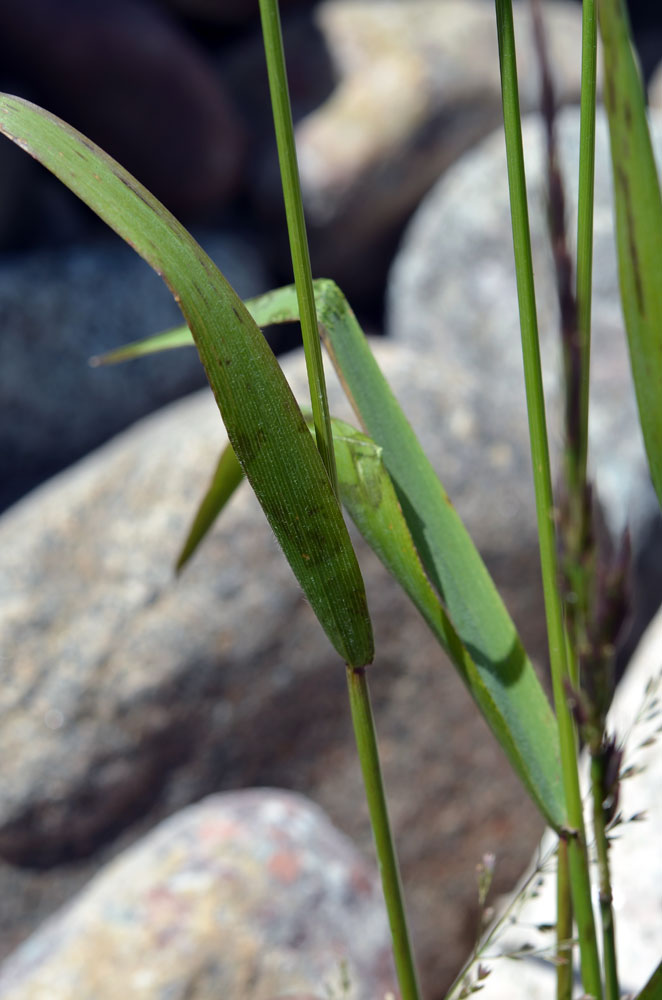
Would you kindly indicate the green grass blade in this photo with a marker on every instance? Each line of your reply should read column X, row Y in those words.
column 638, row 224
column 169, row 340
column 228, row 474
column 449, row 556
column 513, row 713
column 369, row 497
column 263, row 421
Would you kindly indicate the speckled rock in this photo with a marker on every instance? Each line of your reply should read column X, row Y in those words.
column 58, row 308
column 246, row 894
column 417, row 85
column 128, row 694
column 452, row 291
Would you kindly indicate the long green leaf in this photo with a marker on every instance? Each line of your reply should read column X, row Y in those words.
column 368, row 495
column 638, row 224
column 488, row 651
column 264, row 423
column 228, row 474
column 450, row 559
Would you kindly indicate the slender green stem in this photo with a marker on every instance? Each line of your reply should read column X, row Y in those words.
column 296, row 226
column 564, row 976
column 578, row 860
column 602, row 847
column 583, row 294
column 585, row 224
column 366, row 742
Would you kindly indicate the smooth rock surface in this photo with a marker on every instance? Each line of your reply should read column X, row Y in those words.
column 59, row 308
column 635, row 858
column 417, row 85
column 246, row 894
column 128, row 694
column 452, row 291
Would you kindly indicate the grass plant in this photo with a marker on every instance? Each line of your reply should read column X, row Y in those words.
column 380, row 474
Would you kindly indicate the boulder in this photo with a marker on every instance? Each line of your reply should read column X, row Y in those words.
column 128, row 694
column 250, row 893
column 452, row 292
column 57, row 308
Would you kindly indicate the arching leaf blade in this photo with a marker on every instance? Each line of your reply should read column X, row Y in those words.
column 263, row 421
column 449, row 556
column 513, row 713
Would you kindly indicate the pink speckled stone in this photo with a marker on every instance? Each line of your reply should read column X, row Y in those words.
column 249, row 894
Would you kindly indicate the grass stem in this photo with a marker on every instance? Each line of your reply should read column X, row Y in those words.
column 296, row 227
column 366, row 742
column 564, row 971
column 585, row 224
column 606, row 908
column 578, row 860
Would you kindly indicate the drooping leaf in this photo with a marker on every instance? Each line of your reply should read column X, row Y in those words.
column 638, row 207
column 471, row 621
column 451, row 560
column 228, row 474
column 264, row 423
column 368, row 494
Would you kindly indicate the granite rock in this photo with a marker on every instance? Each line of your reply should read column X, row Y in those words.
column 250, row 893
column 128, row 694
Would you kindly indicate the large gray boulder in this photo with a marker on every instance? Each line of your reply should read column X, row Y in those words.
column 128, row 694
column 250, row 893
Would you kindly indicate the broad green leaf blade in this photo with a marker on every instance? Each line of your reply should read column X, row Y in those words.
column 228, row 474
column 444, row 546
column 263, row 421
column 368, row 494
column 638, row 225
column 653, row 988
column 449, row 556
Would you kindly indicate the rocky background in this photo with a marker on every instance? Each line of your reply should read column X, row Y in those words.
column 128, row 695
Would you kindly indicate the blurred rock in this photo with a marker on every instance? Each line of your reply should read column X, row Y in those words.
column 452, row 291
column 57, row 309
column 246, row 894
column 128, row 694
column 417, row 85
column 132, row 80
